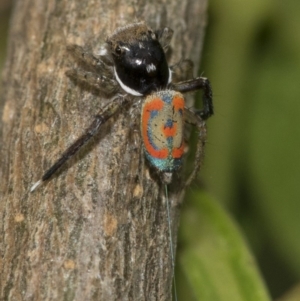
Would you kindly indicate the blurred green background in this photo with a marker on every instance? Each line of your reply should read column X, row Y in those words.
column 250, row 212
column 252, row 167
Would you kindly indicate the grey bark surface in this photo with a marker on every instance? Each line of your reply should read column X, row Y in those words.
column 98, row 230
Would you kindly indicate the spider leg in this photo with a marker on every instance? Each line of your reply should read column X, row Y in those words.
column 98, row 81
column 108, row 111
column 164, row 37
column 182, row 70
column 194, row 119
column 86, row 57
column 197, row 84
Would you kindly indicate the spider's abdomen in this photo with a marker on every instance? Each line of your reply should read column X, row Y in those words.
column 162, row 130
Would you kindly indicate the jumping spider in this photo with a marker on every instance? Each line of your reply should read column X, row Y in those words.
column 133, row 61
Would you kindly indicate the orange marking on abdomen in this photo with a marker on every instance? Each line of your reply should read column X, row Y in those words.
column 177, row 153
column 170, row 131
column 178, row 103
column 155, row 105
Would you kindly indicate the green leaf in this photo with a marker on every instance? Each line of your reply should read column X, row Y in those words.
column 214, row 261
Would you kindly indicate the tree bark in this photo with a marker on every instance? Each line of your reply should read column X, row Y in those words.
column 98, row 230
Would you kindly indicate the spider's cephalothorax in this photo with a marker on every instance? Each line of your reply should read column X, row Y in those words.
column 133, row 61
column 140, row 65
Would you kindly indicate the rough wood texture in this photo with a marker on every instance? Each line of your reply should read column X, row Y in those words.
column 98, row 230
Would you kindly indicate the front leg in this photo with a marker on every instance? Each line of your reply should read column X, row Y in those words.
column 105, row 84
column 182, row 70
column 164, row 37
column 108, row 111
column 86, row 57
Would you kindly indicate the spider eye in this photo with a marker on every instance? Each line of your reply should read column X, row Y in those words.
column 118, row 50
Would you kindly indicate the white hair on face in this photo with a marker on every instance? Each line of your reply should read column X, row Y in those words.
column 150, row 68
column 124, row 87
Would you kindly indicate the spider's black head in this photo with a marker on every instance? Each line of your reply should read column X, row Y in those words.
column 140, row 63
